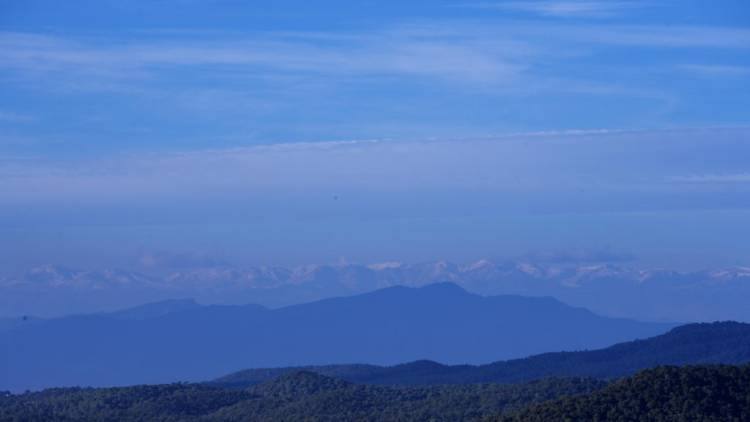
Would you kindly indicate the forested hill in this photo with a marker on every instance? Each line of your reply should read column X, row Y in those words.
column 292, row 397
column 692, row 393
column 719, row 342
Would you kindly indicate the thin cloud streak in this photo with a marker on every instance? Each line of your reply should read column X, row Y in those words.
column 713, row 178
column 611, row 161
column 717, row 70
column 449, row 60
column 566, row 9
column 452, row 51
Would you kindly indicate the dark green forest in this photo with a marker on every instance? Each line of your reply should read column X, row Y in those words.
column 668, row 393
column 292, row 397
column 705, row 393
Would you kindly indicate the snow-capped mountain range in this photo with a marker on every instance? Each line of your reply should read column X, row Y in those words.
column 605, row 288
column 357, row 277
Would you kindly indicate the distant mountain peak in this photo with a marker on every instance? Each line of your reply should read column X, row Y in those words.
column 388, row 265
column 482, row 264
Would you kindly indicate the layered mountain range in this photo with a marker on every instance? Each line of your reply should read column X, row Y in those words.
column 181, row 340
column 706, row 343
column 650, row 294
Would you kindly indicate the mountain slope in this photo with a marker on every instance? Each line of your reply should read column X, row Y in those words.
column 440, row 322
column 710, row 393
column 700, row 393
column 156, row 309
column 721, row 342
column 293, row 397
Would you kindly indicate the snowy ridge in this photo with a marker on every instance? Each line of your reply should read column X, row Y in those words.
column 356, row 276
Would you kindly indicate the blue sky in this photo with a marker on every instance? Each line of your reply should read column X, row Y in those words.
column 291, row 132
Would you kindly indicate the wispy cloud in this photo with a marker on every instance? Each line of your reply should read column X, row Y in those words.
column 566, row 9
column 716, row 70
column 12, row 117
column 368, row 55
column 665, row 37
column 566, row 161
column 713, row 178
column 442, row 77
column 455, row 52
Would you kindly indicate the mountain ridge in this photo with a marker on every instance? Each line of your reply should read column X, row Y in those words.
column 725, row 342
column 689, row 393
column 438, row 322
column 607, row 289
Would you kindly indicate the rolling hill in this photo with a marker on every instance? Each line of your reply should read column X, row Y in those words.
column 293, row 397
column 693, row 393
column 700, row 393
column 706, row 343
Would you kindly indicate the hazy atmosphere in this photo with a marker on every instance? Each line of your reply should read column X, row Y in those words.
column 374, row 210
column 288, row 133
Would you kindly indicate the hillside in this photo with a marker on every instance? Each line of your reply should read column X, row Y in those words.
column 691, row 393
column 439, row 322
column 721, row 342
column 293, row 397
column 697, row 393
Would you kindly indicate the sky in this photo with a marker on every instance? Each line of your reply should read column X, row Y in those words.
column 294, row 132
